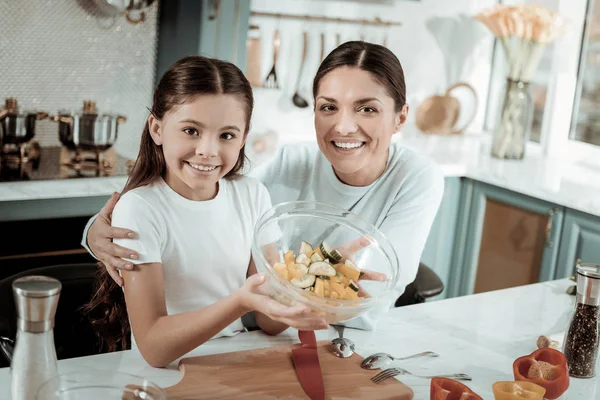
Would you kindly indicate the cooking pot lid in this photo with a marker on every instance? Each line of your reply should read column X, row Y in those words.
column 88, row 108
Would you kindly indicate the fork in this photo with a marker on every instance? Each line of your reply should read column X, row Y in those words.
column 390, row 372
column 271, row 79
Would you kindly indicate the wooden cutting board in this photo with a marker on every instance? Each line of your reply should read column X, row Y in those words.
column 269, row 374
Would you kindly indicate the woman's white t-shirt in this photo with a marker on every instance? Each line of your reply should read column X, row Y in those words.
column 203, row 246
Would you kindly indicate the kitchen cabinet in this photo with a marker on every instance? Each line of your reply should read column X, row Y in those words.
column 503, row 239
column 438, row 248
column 580, row 239
column 210, row 28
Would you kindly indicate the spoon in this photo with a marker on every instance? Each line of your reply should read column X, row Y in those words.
column 297, row 99
column 342, row 347
column 380, row 360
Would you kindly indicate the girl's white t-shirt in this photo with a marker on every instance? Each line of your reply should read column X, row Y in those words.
column 204, row 246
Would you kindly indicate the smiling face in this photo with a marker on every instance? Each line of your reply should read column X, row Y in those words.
column 201, row 142
column 355, row 119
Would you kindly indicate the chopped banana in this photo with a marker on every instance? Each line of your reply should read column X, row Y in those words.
column 321, row 268
column 305, row 281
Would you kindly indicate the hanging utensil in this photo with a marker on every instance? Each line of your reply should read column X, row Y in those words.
column 322, row 56
column 271, row 79
column 133, row 10
column 385, row 37
column 297, row 99
column 253, row 58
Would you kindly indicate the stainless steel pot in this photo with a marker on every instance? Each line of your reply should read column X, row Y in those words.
column 88, row 130
column 17, row 126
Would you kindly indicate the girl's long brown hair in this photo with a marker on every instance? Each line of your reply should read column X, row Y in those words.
column 186, row 79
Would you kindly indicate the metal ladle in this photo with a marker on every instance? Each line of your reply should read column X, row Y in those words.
column 297, row 99
column 342, row 347
column 380, row 360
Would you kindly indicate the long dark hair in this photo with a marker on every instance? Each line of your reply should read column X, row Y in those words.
column 376, row 59
column 187, row 78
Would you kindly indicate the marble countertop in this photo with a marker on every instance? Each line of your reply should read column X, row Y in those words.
column 558, row 181
column 480, row 335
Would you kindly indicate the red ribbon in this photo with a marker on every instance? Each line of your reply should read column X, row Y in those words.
column 308, row 368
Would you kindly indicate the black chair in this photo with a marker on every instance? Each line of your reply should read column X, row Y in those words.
column 427, row 284
column 74, row 335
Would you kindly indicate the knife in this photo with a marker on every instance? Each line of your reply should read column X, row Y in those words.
column 308, row 369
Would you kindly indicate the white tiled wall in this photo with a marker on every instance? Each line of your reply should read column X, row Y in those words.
column 56, row 54
column 438, row 44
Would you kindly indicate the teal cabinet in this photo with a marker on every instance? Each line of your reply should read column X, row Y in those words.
column 437, row 253
column 503, row 239
column 223, row 30
column 211, row 28
column 580, row 239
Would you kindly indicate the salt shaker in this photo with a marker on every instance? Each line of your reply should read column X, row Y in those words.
column 583, row 336
column 34, row 357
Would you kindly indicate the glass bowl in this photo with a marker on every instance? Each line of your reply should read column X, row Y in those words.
column 285, row 226
column 99, row 385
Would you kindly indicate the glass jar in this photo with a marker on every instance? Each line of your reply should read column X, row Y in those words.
column 583, row 336
column 514, row 125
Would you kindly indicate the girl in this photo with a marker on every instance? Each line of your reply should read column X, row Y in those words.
column 194, row 216
column 360, row 103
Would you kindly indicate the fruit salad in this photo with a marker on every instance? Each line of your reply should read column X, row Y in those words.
column 321, row 271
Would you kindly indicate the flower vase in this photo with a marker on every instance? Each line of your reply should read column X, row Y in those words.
column 514, row 125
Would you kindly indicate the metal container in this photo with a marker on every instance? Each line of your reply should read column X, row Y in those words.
column 88, row 130
column 132, row 9
column 18, row 126
column 34, row 357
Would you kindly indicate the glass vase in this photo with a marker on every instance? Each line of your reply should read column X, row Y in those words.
column 514, row 125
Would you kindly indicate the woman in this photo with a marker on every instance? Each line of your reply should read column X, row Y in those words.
column 359, row 103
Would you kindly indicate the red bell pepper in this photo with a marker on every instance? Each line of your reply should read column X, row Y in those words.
column 449, row 389
column 546, row 367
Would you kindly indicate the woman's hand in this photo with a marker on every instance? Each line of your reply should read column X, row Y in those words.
column 99, row 239
column 349, row 249
column 254, row 297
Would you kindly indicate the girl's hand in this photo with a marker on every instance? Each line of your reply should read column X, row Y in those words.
column 254, row 297
column 99, row 239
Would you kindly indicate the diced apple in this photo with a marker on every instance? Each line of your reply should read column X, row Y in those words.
column 303, row 259
column 306, row 249
column 298, row 271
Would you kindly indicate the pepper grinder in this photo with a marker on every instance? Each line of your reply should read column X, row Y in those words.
column 583, row 336
column 34, row 357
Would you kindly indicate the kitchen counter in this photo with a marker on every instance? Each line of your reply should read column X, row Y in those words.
column 558, row 181
column 480, row 335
